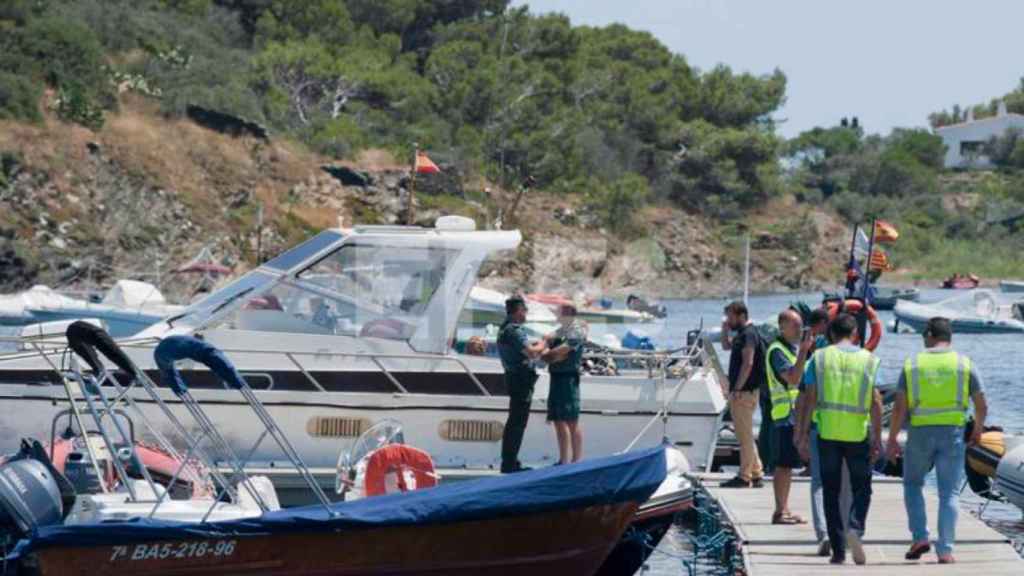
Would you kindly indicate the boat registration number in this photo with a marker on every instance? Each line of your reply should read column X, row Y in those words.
column 174, row 550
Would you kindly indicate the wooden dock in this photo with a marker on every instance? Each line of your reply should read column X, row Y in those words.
column 770, row 550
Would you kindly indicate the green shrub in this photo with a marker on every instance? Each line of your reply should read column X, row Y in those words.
column 617, row 202
column 61, row 51
column 74, row 105
column 339, row 138
column 1016, row 158
column 19, row 98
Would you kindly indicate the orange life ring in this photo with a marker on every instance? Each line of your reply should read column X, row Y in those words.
column 854, row 307
column 397, row 459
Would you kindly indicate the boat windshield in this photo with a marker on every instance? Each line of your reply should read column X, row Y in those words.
column 255, row 282
column 359, row 290
column 197, row 314
column 981, row 303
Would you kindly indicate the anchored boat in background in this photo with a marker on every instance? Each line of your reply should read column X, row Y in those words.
column 588, row 312
column 129, row 307
column 975, row 312
column 1011, row 286
column 885, row 298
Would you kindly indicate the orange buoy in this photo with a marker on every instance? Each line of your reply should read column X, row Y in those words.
column 395, row 460
column 854, row 307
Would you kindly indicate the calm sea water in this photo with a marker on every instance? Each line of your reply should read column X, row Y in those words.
column 998, row 357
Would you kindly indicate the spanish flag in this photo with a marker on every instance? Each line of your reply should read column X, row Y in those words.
column 424, row 165
column 880, row 261
column 885, row 232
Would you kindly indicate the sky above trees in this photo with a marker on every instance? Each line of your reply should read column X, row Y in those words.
column 889, row 63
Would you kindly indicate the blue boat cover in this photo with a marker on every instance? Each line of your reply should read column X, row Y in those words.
column 632, row 476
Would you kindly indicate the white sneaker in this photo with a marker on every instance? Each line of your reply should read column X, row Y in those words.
column 856, row 547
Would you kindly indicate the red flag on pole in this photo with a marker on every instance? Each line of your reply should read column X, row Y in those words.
column 424, row 165
column 885, row 232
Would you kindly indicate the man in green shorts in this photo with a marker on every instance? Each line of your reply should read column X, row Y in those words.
column 564, row 357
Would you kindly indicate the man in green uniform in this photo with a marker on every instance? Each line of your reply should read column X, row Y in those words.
column 517, row 354
column 844, row 394
column 935, row 387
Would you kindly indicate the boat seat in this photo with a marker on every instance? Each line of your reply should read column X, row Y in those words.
column 387, row 328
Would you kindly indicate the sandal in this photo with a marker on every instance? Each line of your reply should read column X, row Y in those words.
column 787, row 519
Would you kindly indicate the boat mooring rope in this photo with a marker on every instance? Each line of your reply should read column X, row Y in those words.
column 715, row 549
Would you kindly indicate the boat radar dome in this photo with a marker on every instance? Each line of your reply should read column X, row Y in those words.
column 455, row 223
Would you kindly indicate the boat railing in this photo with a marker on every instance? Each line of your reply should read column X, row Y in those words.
column 675, row 363
column 99, row 406
column 700, row 355
column 91, row 389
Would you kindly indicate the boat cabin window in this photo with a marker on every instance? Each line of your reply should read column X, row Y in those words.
column 358, row 290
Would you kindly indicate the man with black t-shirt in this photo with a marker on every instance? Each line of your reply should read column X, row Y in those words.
column 746, row 378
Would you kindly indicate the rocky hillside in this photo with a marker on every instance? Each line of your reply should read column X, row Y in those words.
column 145, row 194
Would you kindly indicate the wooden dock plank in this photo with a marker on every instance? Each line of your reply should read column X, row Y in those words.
column 771, row 550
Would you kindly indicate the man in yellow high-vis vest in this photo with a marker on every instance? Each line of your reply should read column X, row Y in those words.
column 785, row 360
column 849, row 407
column 935, row 387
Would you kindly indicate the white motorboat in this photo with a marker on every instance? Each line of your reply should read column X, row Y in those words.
column 126, row 309
column 355, row 325
column 486, row 306
column 1011, row 286
column 588, row 312
column 974, row 312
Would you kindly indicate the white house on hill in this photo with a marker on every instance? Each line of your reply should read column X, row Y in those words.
column 965, row 142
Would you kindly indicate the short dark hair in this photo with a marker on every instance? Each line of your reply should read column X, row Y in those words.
column 817, row 316
column 738, row 308
column 842, row 327
column 939, row 328
column 513, row 303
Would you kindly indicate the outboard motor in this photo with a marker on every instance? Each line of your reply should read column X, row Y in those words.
column 29, row 498
column 32, row 492
column 82, row 474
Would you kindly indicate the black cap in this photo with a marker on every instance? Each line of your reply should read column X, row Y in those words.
column 513, row 303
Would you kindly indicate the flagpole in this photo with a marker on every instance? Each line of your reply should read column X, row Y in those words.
column 862, row 318
column 853, row 256
column 871, row 253
column 410, row 211
column 746, row 273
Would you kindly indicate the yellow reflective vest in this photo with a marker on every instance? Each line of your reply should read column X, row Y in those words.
column 938, row 386
column 845, row 382
column 783, row 397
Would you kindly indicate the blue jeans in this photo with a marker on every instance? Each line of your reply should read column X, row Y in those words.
column 817, row 494
column 942, row 447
